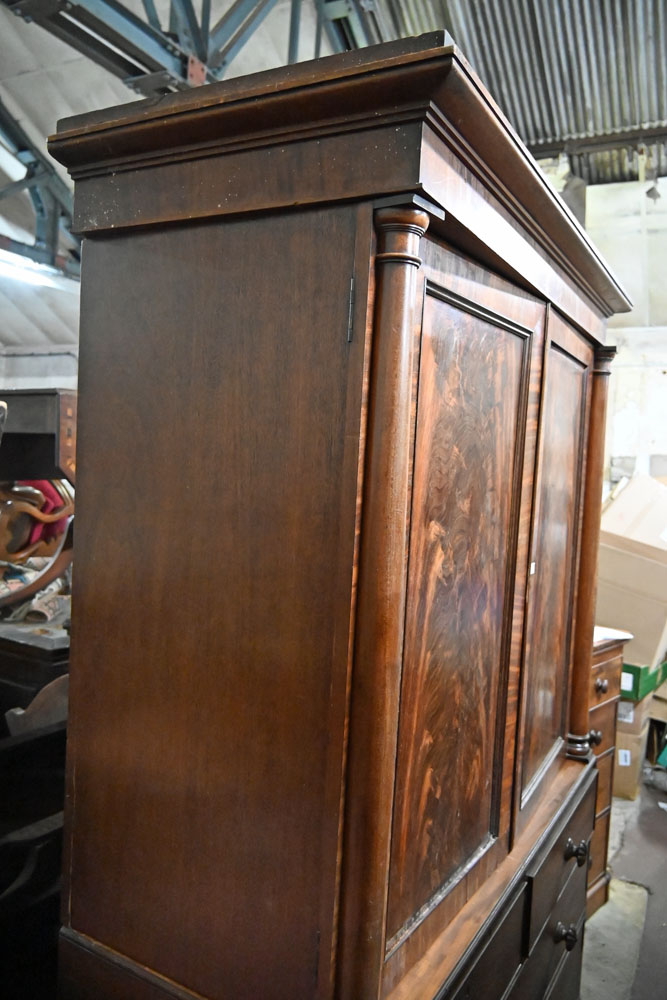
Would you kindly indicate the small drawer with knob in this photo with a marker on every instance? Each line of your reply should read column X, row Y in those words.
column 605, row 682
column 561, row 935
column 568, row 850
column 602, row 721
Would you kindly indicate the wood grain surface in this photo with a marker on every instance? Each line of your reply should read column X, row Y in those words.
column 380, row 613
column 219, row 455
column 554, row 559
column 467, row 494
column 470, row 389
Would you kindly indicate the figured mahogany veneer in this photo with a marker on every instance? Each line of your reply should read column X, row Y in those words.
column 340, row 417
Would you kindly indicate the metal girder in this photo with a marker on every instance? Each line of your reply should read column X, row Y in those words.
column 19, row 144
column 351, row 22
column 32, row 178
column 601, row 142
column 188, row 28
column 220, row 56
column 50, row 196
column 67, row 265
column 152, row 14
column 145, row 56
column 294, row 25
column 108, row 33
column 229, row 24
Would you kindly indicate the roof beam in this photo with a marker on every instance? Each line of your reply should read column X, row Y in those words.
column 189, row 31
column 220, row 57
column 229, row 24
column 600, row 143
column 112, row 36
column 51, row 198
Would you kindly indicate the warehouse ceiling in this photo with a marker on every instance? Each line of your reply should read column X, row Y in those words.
column 582, row 79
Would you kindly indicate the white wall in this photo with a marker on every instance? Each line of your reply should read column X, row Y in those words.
column 630, row 230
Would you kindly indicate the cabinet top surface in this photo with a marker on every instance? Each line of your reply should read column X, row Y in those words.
column 603, row 635
column 422, row 81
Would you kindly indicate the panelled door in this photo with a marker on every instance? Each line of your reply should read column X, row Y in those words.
column 554, row 561
column 475, row 440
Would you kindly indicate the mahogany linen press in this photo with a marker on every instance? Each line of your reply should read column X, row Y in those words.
column 341, row 411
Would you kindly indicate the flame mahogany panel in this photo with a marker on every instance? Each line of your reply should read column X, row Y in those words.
column 467, row 482
column 554, row 553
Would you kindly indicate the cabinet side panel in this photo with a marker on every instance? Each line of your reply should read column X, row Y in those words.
column 220, row 408
column 472, row 385
column 551, row 592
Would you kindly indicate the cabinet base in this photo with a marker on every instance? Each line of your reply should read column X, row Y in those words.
column 597, row 894
column 89, row 969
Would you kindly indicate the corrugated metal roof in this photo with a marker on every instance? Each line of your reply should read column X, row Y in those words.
column 570, row 70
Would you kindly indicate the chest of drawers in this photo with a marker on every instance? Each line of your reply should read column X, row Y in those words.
column 605, row 686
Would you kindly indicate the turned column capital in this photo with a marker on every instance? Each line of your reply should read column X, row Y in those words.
column 604, row 355
column 399, row 230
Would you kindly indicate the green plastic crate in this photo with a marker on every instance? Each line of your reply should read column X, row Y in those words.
column 637, row 682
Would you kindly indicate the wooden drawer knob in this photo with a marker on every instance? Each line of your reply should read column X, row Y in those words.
column 595, row 737
column 567, row 934
column 578, row 851
column 602, row 685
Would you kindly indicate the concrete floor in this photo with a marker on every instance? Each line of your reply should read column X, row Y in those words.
column 625, row 945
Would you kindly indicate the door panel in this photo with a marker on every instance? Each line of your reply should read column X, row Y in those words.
column 551, row 592
column 467, row 487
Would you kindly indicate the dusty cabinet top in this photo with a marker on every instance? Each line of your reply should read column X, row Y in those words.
column 405, row 117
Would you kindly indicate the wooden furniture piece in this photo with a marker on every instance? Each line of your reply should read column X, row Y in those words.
column 40, row 434
column 29, row 660
column 343, row 348
column 605, row 691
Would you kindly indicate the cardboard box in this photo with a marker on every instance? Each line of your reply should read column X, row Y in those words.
column 659, row 704
column 630, row 751
column 633, row 715
column 637, row 509
column 632, row 576
column 632, row 595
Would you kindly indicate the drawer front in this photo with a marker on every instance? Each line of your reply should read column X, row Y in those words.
column 550, row 874
column 599, row 847
column 550, row 950
column 605, row 765
column 597, row 895
column 567, row 981
column 603, row 720
column 605, row 681
column 496, row 966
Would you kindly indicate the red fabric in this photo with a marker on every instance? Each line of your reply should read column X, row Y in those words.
column 52, row 501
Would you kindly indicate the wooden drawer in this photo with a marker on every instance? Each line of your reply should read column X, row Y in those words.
column 605, row 772
column 599, row 847
column 495, row 968
column 597, row 895
column 605, row 681
column 548, row 877
column 603, row 720
column 565, row 984
column 550, row 950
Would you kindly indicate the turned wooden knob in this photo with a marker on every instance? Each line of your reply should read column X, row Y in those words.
column 602, row 685
column 595, row 736
column 578, row 851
